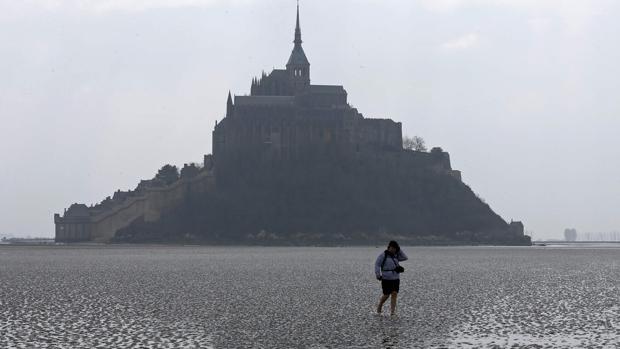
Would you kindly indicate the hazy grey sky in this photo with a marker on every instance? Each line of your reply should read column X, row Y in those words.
column 524, row 94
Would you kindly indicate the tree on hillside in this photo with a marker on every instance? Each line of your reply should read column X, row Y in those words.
column 416, row 143
column 168, row 174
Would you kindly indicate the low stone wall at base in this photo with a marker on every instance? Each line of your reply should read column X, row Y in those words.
column 149, row 205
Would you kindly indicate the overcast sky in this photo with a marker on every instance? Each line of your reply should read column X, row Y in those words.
column 524, row 94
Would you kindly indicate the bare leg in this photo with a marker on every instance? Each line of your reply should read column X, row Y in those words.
column 393, row 303
column 381, row 302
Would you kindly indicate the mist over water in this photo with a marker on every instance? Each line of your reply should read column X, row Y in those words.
column 222, row 297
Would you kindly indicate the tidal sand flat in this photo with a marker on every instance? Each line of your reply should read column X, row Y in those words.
column 259, row 297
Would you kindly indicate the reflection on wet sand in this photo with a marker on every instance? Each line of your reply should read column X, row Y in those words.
column 390, row 331
column 201, row 297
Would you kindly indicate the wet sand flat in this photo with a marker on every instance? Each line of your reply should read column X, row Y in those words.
column 260, row 297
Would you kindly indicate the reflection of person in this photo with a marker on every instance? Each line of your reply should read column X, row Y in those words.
column 387, row 270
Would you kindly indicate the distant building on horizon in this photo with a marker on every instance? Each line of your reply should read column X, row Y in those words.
column 570, row 234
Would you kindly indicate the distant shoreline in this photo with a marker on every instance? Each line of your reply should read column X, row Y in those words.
column 51, row 243
column 78, row 244
column 574, row 242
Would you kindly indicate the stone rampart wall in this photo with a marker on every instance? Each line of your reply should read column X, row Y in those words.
column 102, row 226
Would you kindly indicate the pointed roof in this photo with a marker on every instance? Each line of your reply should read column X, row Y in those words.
column 298, row 56
column 297, row 40
column 229, row 105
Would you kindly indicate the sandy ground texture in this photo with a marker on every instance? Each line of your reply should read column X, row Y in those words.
column 224, row 297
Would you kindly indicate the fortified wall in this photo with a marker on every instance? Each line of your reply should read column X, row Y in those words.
column 149, row 201
column 409, row 161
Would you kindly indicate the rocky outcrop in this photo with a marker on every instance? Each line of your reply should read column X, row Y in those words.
column 410, row 196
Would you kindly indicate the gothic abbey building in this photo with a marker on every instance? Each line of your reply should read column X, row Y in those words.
column 287, row 117
column 284, row 120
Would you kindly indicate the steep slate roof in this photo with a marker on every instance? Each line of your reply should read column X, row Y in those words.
column 298, row 57
column 279, row 73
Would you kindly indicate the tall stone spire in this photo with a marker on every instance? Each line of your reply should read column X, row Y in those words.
column 298, row 66
column 297, row 29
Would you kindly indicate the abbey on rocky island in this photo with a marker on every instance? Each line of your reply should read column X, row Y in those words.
column 284, row 130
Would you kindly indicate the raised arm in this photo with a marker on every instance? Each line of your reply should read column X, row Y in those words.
column 401, row 256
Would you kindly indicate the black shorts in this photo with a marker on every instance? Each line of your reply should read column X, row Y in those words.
column 390, row 286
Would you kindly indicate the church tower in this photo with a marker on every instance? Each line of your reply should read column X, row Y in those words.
column 298, row 66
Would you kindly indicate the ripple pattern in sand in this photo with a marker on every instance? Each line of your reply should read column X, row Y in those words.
column 207, row 297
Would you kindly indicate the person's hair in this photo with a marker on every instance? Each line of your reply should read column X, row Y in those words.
column 394, row 244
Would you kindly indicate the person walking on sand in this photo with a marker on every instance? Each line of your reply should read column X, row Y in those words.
column 387, row 270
